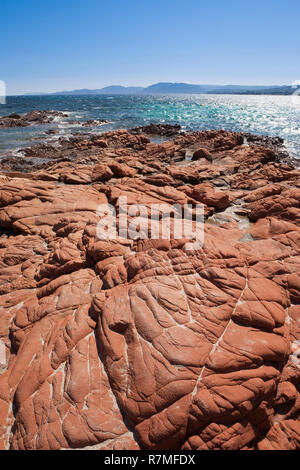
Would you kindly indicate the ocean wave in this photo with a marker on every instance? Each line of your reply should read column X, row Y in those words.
column 264, row 115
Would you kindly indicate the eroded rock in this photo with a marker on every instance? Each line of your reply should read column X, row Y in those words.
column 144, row 344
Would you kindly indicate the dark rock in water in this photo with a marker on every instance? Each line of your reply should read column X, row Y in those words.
column 276, row 144
column 263, row 140
column 18, row 164
column 7, row 122
column 74, row 122
column 41, row 151
column 15, row 116
column 165, row 130
column 43, row 117
column 52, row 132
column 33, row 117
column 94, row 122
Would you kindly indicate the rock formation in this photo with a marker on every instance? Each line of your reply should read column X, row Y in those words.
column 143, row 344
column 38, row 117
column 33, row 117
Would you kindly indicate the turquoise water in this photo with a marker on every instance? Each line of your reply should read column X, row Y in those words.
column 264, row 115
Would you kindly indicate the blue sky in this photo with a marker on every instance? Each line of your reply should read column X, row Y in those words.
column 55, row 45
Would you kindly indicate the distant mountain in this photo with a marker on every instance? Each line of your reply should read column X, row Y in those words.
column 121, row 90
column 109, row 90
column 169, row 88
column 252, row 90
column 183, row 88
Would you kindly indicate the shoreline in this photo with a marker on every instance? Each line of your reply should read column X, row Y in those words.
column 262, row 116
column 54, row 145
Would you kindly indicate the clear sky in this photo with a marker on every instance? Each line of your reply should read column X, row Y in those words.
column 53, row 45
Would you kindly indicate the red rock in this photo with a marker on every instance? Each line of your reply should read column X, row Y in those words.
column 285, row 205
column 100, row 143
column 206, row 194
column 122, row 171
column 261, row 193
column 101, row 172
column 142, row 344
column 202, row 153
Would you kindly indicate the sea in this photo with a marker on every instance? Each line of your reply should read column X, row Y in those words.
column 262, row 115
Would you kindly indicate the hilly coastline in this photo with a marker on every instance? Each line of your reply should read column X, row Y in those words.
column 183, row 88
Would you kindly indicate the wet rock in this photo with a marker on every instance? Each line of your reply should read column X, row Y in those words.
column 33, row 117
column 165, row 130
column 52, row 132
column 94, row 122
column 14, row 116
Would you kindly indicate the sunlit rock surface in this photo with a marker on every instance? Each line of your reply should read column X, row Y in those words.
column 143, row 344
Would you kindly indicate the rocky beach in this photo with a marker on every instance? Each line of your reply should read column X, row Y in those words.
column 143, row 344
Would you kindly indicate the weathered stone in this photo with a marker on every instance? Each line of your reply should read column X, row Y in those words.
column 143, row 344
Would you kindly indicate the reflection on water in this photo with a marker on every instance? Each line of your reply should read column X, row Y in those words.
column 265, row 115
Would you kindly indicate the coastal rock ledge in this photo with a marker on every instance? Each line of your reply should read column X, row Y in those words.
column 143, row 344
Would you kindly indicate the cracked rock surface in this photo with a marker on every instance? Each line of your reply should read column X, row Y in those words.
column 143, row 344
